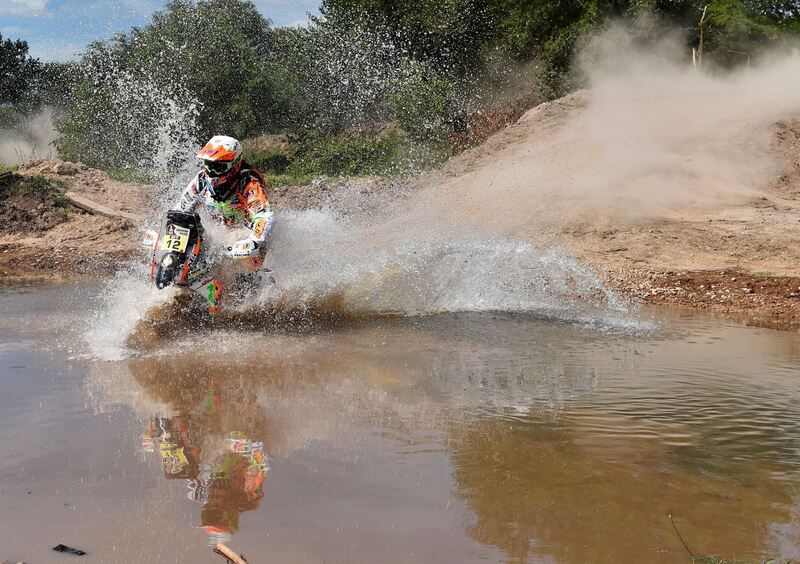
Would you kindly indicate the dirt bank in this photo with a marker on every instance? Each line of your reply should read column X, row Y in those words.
column 738, row 256
column 35, row 246
column 97, row 222
column 730, row 251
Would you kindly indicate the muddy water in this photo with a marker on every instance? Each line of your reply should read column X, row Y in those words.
column 452, row 438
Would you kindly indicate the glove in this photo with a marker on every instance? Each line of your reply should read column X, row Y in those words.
column 246, row 248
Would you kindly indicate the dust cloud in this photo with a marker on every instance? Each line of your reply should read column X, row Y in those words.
column 32, row 139
column 651, row 137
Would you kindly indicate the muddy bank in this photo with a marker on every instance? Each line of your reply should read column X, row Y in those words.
column 45, row 234
column 760, row 299
column 666, row 235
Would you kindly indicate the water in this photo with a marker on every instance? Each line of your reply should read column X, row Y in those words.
column 456, row 437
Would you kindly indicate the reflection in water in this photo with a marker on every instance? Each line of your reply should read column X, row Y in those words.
column 563, row 444
column 224, row 468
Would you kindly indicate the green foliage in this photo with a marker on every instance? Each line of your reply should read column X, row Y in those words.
column 386, row 154
column 35, row 185
column 127, row 175
column 42, row 196
column 423, row 106
column 218, row 50
column 735, row 32
column 209, row 67
column 287, row 179
column 349, row 155
column 447, row 33
column 19, row 72
column 271, row 159
column 198, row 69
column 26, row 84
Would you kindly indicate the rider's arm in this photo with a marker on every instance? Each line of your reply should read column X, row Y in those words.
column 261, row 217
column 190, row 197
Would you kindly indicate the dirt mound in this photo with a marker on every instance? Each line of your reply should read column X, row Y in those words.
column 30, row 204
column 94, row 184
column 45, row 234
column 650, row 201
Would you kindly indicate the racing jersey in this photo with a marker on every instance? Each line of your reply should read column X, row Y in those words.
column 246, row 206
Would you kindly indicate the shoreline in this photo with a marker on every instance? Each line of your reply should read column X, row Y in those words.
column 771, row 302
column 739, row 257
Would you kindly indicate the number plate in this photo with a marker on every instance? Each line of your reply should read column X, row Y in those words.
column 175, row 239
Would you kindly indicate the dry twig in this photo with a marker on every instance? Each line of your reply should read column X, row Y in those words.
column 232, row 557
column 683, row 542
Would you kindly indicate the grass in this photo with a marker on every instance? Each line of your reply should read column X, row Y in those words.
column 288, row 179
column 127, row 175
column 37, row 185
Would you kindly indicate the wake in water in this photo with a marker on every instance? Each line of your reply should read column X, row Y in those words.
column 328, row 268
column 456, row 244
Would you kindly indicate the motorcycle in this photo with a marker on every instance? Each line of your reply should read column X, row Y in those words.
column 178, row 257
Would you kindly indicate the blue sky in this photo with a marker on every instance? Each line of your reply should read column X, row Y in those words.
column 57, row 30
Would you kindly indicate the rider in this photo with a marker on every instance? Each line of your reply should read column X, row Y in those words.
column 234, row 195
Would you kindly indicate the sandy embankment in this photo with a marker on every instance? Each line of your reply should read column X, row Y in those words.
column 707, row 218
column 736, row 253
column 734, row 249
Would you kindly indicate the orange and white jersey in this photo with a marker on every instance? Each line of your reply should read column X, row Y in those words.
column 247, row 206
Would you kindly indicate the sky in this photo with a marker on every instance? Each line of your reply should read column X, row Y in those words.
column 58, row 30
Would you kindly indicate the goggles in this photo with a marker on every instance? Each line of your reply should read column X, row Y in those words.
column 217, row 168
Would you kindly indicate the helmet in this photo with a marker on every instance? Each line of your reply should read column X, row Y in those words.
column 222, row 159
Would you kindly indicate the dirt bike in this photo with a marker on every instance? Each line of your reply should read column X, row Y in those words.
column 178, row 257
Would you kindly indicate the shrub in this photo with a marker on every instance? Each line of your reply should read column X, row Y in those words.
column 388, row 154
column 355, row 153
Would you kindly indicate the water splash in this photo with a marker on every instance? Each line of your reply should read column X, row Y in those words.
column 133, row 120
column 123, row 302
column 426, row 270
column 326, row 266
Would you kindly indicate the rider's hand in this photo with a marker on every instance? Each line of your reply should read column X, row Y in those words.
column 244, row 248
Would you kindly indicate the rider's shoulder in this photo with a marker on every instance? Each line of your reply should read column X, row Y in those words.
column 251, row 174
column 251, row 179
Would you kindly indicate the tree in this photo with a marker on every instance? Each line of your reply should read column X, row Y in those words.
column 18, row 72
column 447, row 33
column 198, row 69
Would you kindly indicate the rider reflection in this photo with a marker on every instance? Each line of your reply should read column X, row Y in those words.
column 179, row 454
column 225, row 479
column 232, row 484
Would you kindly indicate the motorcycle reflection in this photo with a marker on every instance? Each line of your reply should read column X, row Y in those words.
column 225, row 476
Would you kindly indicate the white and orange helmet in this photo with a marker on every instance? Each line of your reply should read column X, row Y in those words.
column 221, row 158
